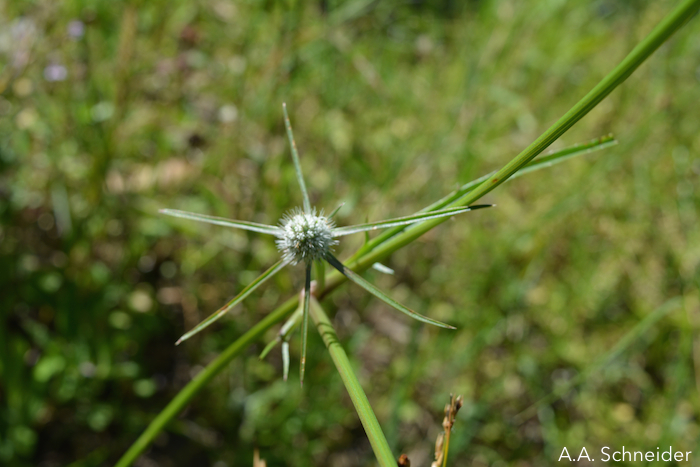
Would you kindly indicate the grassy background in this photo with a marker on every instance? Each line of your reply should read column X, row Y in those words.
column 178, row 104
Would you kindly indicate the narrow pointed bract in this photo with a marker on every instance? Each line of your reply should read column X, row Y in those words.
column 357, row 279
column 235, row 301
column 412, row 219
column 254, row 226
column 297, row 164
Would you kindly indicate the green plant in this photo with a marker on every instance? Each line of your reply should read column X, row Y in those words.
column 364, row 259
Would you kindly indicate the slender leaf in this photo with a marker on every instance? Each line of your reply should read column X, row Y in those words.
column 305, row 322
column 268, row 348
column 357, row 279
column 562, row 155
column 255, row 227
column 376, row 437
column 235, row 301
column 412, row 219
column 540, row 163
column 297, row 164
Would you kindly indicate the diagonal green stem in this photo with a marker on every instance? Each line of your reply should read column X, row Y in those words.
column 297, row 164
column 538, row 164
column 180, row 401
column 661, row 33
column 357, row 395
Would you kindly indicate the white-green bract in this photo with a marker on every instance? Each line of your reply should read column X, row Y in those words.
column 308, row 237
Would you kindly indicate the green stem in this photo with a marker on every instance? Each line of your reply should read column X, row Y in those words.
column 207, row 374
column 661, row 33
column 542, row 162
column 357, row 395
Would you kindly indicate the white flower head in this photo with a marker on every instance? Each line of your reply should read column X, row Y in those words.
column 305, row 237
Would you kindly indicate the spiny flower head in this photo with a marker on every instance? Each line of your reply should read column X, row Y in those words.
column 305, row 237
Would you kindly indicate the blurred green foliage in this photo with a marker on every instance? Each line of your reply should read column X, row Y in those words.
column 111, row 110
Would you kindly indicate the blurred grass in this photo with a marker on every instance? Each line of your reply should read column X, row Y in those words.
column 177, row 105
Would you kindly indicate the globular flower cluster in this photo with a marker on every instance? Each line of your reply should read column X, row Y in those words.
column 305, row 237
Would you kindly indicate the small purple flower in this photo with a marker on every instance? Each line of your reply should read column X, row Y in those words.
column 76, row 29
column 55, row 72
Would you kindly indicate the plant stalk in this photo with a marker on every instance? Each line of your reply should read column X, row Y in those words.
column 376, row 437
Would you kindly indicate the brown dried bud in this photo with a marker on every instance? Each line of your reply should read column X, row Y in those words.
column 439, row 445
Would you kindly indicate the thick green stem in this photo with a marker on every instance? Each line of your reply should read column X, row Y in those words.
column 658, row 36
column 357, row 395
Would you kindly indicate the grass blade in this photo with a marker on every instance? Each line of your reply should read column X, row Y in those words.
column 556, row 157
column 540, row 163
column 412, row 219
column 623, row 344
column 268, row 348
column 305, row 321
column 374, row 432
column 283, row 334
column 357, row 279
column 297, row 164
column 255, row 227
column 235, row 301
